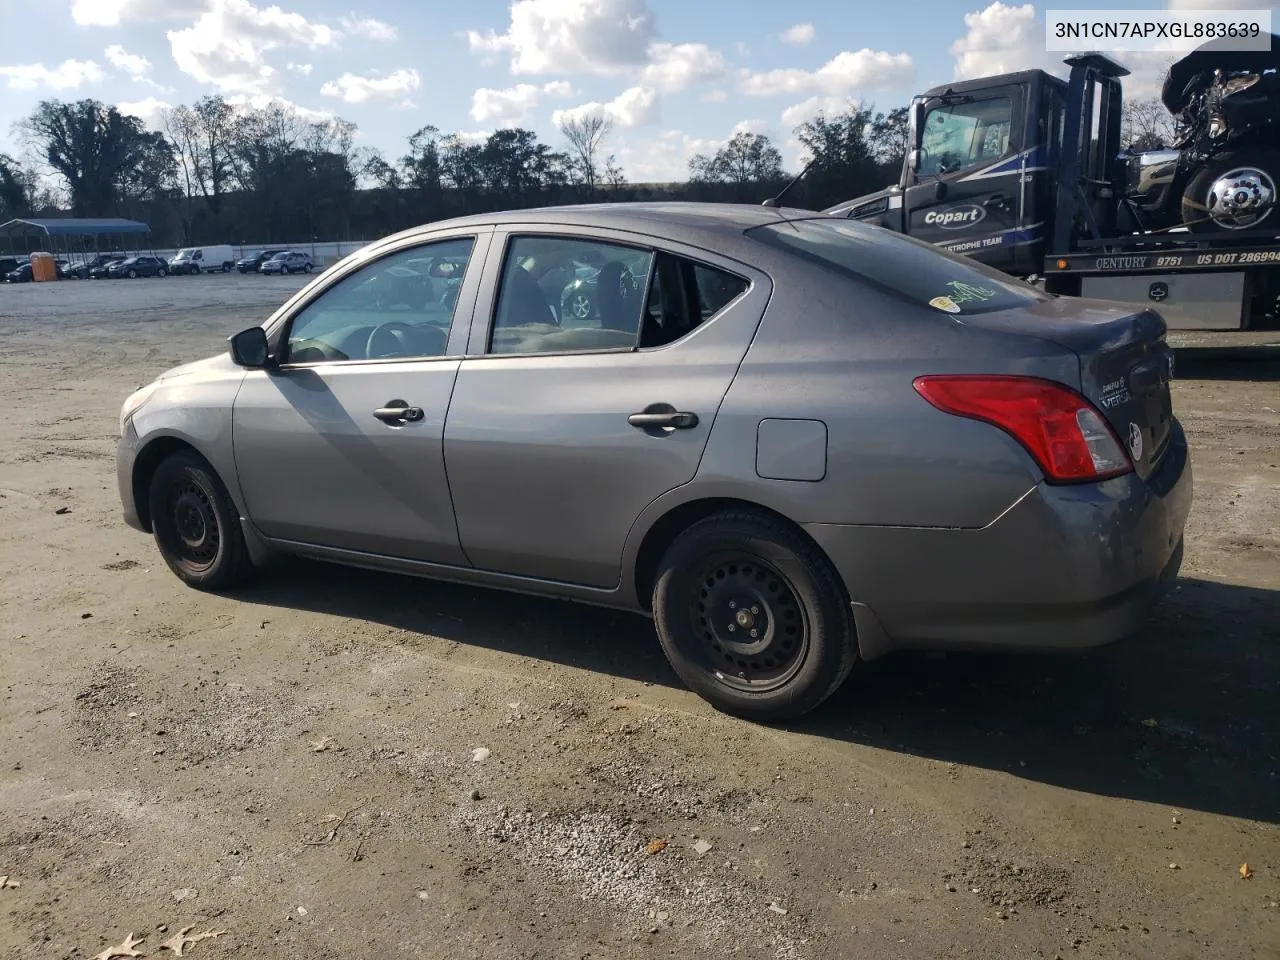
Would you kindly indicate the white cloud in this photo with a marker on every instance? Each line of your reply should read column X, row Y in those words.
column 798, row 35
column 351, row 88
column 846, row 72
column 150, row 111
column 68, row 75
column 662, row 159
column 572, row 36
column 302, row 68
column 224, row 47
column 634, row 107
column 516, row 104
column 672, row 67
column 510, row 106
column 1001, row 39
column 135, row 65
column 714, row 96
column 112, row 13
column 369, row 28
column 261, row 101
column 473, row 137
column 665, row 157
column 807, row 110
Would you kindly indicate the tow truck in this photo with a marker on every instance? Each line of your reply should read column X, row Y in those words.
column 1024, row 172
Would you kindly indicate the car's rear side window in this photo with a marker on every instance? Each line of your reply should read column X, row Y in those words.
column 683, row 294
column 909, row 269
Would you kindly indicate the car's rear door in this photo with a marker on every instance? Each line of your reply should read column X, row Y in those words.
column 548, row 462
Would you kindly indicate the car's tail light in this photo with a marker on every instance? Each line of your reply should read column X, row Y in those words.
column 1062, row 430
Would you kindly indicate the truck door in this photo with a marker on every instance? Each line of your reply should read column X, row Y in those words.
column 966, row 191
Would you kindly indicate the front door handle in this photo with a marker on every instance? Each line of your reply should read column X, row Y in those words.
column 397, row 411
column 994, row 201
column 675, row 419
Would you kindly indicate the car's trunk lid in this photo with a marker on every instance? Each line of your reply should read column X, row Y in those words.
column 1125, row 364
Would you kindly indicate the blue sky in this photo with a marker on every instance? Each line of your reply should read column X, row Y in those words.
column 676, row 76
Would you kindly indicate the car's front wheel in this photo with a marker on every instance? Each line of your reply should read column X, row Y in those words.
column 196, row 526
column 752, row 617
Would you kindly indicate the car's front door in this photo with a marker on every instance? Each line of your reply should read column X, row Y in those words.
column 340, row 445
column 595, row 371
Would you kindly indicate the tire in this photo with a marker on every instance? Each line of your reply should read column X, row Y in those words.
column 226, row 268
column 133, row 274
column 284, row 271
column 195, row 524
column 778, row 582
column 306, row 268
column 162, row 272
column 1256, row 171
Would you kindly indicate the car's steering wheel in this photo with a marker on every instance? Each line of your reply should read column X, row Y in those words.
column 397, row 332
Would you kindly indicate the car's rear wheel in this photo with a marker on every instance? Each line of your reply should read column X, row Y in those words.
column 196, row 526
column 752, row 617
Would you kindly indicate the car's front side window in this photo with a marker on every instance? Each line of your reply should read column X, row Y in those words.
column 563, row 294
column 398, row 307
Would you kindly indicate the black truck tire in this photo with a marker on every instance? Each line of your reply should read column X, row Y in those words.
column 1258, row 176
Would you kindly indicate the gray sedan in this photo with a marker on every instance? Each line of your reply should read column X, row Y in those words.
column 795, row 441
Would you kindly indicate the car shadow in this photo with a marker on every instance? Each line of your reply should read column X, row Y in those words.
column 1185, row 714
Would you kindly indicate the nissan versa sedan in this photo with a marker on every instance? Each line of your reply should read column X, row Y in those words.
column 795, row 441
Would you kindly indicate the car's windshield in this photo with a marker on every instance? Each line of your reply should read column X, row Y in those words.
column 901, row 266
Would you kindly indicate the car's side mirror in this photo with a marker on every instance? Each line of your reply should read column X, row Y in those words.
column 249, row 348
column 913, row 161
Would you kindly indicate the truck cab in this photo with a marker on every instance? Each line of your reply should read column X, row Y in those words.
column 974, row 180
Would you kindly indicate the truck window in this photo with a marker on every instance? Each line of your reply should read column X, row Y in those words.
column 963, row 135
column 900, row 266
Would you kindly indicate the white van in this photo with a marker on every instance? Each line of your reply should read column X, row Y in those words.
column 206, row 259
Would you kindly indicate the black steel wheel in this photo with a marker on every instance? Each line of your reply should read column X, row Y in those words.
column 195, row 524
column 752, row 616
column 754, row 630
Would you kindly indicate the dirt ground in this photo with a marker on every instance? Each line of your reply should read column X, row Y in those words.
column 299, row 765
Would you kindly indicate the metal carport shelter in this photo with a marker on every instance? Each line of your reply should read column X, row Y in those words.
column 72, row 236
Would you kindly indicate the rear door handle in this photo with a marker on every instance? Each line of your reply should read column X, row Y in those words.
column 676, row 419
column 397, row 411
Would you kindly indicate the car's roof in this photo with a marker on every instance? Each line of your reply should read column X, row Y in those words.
column 689, row 221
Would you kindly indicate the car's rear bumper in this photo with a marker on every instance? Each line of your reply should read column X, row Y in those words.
column 1064, row 567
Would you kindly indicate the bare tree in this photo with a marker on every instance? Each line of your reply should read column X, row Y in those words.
column 586, row 135
column 1146, row 125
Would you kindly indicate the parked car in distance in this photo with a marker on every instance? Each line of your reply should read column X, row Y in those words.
column 799, row 443
column 251, row 264
column 218, row 258
column 10, row 264
column 84, row 268
column 142, row 266
column 288, row 261
column 19, row 274
column 103, row 269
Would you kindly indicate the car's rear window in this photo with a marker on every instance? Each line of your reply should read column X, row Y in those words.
column 910, row 269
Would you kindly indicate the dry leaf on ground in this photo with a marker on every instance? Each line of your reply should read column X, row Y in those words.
column 655, row 846
column 180, row 941
column 323, row 744
column 1246, row 872
column 125, row 949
